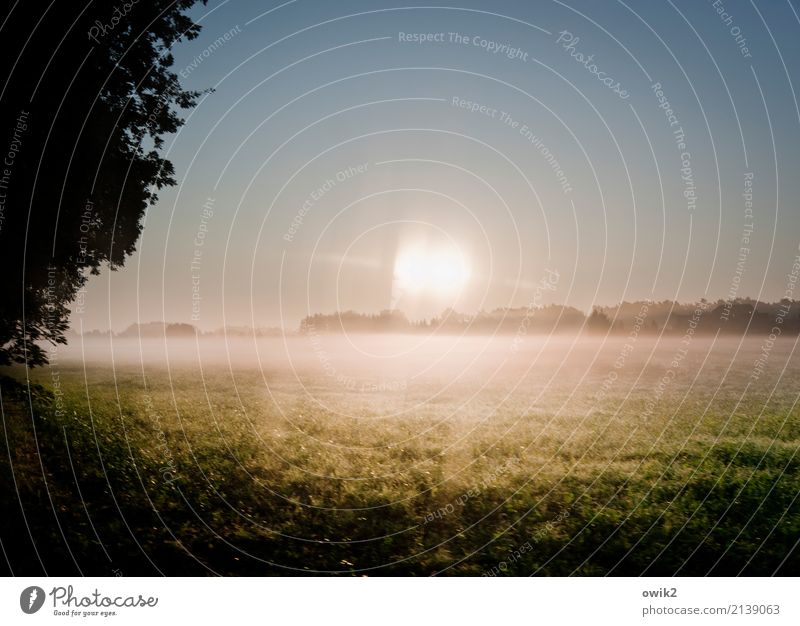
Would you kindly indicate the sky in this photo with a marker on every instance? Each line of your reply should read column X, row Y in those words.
column 369, row 155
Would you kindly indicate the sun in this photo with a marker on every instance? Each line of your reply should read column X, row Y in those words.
column 436, row 271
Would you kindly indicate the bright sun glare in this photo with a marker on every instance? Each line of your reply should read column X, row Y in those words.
column 437, row 271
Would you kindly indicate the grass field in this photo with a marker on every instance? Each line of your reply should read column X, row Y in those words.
column 458, row 457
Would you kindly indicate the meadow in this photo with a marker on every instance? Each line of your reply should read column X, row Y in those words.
column 386, row 455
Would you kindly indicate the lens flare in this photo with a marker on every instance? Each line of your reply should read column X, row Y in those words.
column 440, row 271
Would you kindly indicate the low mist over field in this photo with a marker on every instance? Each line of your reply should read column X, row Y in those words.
column 410, row 454
column 446, row 378
column 349, row 361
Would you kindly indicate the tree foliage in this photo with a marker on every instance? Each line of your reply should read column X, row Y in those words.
column 87, row 98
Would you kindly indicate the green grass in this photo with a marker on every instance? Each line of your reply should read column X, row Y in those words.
column 186, row 477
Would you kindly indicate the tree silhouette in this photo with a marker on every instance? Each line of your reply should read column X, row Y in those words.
column 598, row 321
column 86, row 98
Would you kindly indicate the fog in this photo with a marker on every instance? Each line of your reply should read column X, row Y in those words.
column 350, row 360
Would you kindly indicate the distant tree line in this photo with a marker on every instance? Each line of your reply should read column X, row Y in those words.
column 642, row 317
column 152, row 330
column 740, row 316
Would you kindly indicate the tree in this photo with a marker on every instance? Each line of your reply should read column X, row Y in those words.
column 598, row 321
column 87, row 96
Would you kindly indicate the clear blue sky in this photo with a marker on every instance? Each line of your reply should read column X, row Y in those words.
column 313, row 89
